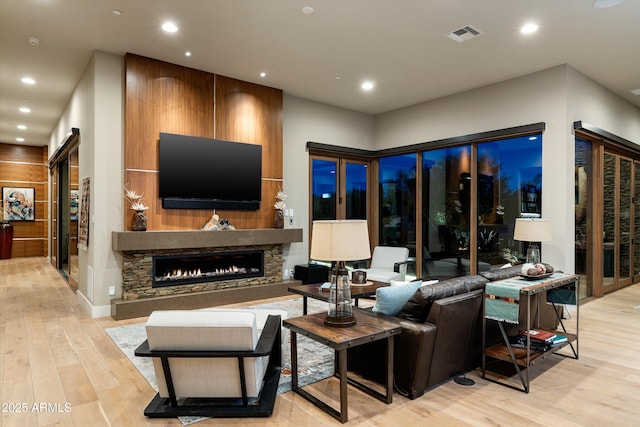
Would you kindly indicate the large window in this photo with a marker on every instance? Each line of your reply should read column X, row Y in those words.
column 338, row 188
column 470, row 196
column 509, row 187
column 446, row 199
column 397, row 208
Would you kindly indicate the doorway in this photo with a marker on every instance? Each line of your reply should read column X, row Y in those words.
column 65, row 197
column 607, row 212
column 617, row 221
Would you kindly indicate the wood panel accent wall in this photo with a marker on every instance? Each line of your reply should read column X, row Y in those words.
column 164, row 97
column 25, row 166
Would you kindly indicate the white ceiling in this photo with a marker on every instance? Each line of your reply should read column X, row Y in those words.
column 399, row 44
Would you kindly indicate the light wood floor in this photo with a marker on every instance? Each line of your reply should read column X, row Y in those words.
column 52, row 354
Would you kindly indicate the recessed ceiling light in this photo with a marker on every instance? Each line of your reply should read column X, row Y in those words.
column 307, row 10
column 22, row 127
column 25, row 109
column 529, row 28
column 28, row 81
column 116, row 12
column 636, row 91
column 170, row 27
column 20, row 139
column 338, row 77
column 263, row 74
column 187, row 53
column 33, row 41
column 368, row 85
column 602, row 4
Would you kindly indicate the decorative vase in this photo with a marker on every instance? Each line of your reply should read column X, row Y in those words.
column 278, row 219
column 6, row 239
column 139, row 221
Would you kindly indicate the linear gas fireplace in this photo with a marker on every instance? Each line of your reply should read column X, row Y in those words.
column 198, row 268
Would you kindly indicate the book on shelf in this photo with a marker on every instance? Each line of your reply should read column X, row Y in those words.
column 559, row 339
column 520, row 341
column 539, row 335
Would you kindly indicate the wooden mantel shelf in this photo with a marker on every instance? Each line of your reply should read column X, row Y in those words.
column 141, row 241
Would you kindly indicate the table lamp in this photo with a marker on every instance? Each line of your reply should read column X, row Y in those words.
column 532, row 230
column 340, row 241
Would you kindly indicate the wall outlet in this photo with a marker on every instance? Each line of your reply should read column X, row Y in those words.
column 112, row 291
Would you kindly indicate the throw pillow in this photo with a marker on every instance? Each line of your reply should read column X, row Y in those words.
column 397, row 283
column 391, row 299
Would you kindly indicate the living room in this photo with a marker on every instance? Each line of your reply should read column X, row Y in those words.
column 558, row 96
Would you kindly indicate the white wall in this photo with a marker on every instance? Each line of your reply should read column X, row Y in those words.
column 304, row 121
column 96, row 109
column 593, row 104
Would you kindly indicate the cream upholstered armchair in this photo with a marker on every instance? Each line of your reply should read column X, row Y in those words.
column 388, row 263
column 214, row 362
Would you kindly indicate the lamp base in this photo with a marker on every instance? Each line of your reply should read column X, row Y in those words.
column 340, row 322
column 533, row 254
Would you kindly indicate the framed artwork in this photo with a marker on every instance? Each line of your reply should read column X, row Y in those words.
column 83, row 226
column 18, row 203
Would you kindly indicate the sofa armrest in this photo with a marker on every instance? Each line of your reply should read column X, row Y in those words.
column 458, row 341
column 413, row 349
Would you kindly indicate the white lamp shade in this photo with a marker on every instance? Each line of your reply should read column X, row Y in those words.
column 340, row 240
column 532, row 230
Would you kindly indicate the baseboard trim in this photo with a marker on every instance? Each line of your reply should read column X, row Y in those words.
column 93, row 310
column 129, row 309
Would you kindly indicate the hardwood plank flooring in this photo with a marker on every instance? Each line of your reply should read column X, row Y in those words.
column 58, row 366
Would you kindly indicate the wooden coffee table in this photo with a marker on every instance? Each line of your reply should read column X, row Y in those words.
column 368, row 328
column 314, row 291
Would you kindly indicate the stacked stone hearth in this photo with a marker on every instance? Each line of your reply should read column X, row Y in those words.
column 137, row 272
column 138, row 250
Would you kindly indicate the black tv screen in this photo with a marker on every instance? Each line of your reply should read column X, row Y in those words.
column 204, row 173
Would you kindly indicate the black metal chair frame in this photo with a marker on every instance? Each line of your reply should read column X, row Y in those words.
column 269, row 344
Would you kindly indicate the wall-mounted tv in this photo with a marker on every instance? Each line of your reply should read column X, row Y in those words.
column 204, row 173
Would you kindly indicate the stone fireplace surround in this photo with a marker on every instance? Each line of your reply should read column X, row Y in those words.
column 137, row 248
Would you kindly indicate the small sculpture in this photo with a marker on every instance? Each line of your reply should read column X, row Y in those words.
column 216, row 224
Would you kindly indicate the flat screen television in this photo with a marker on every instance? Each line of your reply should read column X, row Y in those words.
column 204, row 173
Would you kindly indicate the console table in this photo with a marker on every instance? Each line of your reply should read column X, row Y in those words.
column 367, row 329
column 561, row 289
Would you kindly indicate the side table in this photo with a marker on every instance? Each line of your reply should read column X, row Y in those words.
column 367, row 329
column 561, row 288
column 316, row 292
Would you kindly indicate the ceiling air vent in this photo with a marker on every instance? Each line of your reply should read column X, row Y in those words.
column 463, row 34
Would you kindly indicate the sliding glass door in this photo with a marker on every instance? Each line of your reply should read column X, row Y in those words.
column 617, row 221
column 583, row 245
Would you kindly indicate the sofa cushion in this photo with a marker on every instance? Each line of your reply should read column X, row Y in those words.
column 390, row 299
column 201, row 330
column 417, row 307
column 501, row 273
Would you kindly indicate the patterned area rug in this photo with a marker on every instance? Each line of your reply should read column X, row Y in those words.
column 315, row 361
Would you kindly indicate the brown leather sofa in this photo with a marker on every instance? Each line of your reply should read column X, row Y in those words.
column 441, row 334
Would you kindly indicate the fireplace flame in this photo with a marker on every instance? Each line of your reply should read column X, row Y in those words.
column 189, row 274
